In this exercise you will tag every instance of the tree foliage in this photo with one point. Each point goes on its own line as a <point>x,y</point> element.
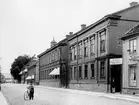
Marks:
<point>18,65</point>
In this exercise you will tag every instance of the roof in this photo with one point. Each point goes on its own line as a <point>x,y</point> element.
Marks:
<point>131,7</point>
<point>132,32</point>
<point>110,16</point>
<point>60,43</point>
<point>32,63</point>
<point>114,15</point>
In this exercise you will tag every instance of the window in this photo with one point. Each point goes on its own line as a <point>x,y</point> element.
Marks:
<point>132,76</point>
<point>74,72</point>
<point>102,41</point>
<point>80,72</point>
<point>92,45</point>
<point>71,53</point>
<point>71,76</point>
<point>40,75</point>
<point>50,58</point>
<point>86,71</point>
<point>132,46</point>
<point>80,50</point>
<point>102,70</point>
<point>92,70</point>
<point>75,52</point>
<point>56,55</point>
<point>86,48</point>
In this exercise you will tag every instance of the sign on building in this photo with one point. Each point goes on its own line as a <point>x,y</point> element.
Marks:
<point>134,57</point>
<point>116,61</point>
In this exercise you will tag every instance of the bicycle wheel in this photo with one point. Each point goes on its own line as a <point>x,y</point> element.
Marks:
<point>26,96</point>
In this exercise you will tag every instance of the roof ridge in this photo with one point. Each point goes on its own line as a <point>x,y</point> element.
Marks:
<point>115,13</point>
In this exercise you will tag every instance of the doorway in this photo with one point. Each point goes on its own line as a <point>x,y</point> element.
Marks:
<point>116,78</point>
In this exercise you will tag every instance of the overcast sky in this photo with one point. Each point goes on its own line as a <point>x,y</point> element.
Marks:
<point>28,26</point>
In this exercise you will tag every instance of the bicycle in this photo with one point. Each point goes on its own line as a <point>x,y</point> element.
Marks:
<point>26,95</point>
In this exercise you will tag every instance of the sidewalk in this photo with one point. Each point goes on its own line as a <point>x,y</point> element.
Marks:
<point>2,99</point>
<point>118,96</point>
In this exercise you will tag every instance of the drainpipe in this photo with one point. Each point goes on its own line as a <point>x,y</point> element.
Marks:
<point>97,57</point>
<point>77,61</point>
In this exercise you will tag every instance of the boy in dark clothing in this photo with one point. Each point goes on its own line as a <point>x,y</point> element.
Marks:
<point>31,95</point>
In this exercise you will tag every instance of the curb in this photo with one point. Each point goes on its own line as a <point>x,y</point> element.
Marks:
<point>3,99</point>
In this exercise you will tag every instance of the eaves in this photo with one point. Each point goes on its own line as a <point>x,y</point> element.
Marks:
<point>105,18</point>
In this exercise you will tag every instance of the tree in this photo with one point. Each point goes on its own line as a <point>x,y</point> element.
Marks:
<point>18,65</point>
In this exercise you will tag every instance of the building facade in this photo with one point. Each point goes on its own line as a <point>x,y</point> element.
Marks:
<point>93,46</point>
<point>131,61</point>
<point>37,72</point>
<point>31,71</point>
<point>53,65</point>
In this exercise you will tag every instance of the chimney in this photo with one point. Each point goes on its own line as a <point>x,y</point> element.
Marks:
<point>83,26</point>
<point>70,33</point>
<point>133,4</point>
<point>67,36</point>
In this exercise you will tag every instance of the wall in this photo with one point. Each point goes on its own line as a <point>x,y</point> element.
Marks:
<point>116,32</point>
<point>89,87</point>
<point>126,62</point>
<point>37,73</point>
<point>51,83</point>
<point>122,27</point>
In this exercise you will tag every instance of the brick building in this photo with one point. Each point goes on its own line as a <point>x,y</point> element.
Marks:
<point>53,65</point>
<point>93,46</point>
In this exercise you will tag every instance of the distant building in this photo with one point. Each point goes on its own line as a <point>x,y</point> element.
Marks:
<point>53,65</point>
<point>31,71</point>
<point>93,47</point>
<point>8,78</point>
<point>131,61</point>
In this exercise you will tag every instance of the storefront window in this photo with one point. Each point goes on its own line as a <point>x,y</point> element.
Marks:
<point>132,76</point>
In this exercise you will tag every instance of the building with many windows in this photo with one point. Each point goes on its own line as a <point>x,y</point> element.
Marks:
<point>91,49</point>
<point>131,61</point>
<point>53,65</point>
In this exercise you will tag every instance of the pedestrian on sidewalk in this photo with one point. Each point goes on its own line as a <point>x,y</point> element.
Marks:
<point>31,93</point>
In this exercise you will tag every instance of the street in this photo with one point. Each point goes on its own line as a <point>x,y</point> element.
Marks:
<point>47,96</point>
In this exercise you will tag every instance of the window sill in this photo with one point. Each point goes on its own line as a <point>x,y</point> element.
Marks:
<point>92,77</point>
<point>92,54</point>
<point>101,52</point>
<point>132,53</point>
<point>80,78</point>
<point>85,77</point>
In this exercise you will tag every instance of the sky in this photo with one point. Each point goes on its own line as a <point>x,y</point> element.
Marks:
<point>28,26</point>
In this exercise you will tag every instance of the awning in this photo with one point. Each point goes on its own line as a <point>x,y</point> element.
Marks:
<point>21,72</point>
<point>55,72</point>
<point>32,77</point>
<point>25,70</point>
<point>29,77</point>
